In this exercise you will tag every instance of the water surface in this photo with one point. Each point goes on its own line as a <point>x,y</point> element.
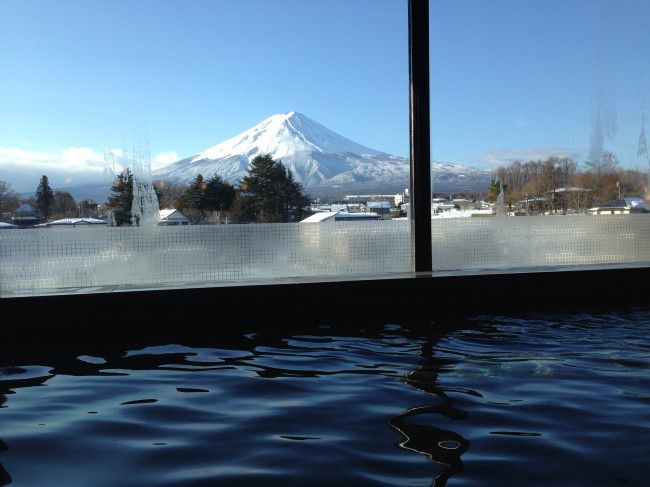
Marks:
<point>532,400</point>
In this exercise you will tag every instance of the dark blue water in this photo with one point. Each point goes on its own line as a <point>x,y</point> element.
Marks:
<point>552,400</point>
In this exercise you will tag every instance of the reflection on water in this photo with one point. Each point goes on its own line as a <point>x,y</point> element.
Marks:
<point>493,401</point>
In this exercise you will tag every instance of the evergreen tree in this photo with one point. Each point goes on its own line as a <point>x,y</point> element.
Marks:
<point>120,202</point>
<point>214,195</point>
<point>192,201</point>
<point>241,211</point>
<point>494,189</point>
<point>218,194</point>
<point>268,193</point>
<point>44,197</point>
<point>194,196</point>
<point>121,198</point>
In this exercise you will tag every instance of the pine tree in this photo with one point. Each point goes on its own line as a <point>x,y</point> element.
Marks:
<point>493,190</point>
<point>240,212</point>
<point>121,198</point>
<point>120,202</point>
<point>44,197</point>
<point>218,194</point>
<point>192,201</point>
<point>268,193</point>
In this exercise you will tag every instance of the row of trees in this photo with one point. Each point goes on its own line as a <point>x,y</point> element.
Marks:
<point>268,193</point>
<point>591,185</point>
<point>50,204</point>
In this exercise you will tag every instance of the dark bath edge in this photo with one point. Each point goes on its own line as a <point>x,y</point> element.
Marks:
<point>417,301</point>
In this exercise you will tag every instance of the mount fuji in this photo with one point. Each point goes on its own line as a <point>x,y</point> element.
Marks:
<point>323,161</point>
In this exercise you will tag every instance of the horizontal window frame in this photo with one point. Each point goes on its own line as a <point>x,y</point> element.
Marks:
<point>419,298</point>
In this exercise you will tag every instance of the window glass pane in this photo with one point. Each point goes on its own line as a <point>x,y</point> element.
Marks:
<point>539,150</point>
<point>158,143</point>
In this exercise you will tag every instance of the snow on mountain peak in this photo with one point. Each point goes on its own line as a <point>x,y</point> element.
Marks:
<point>317,156</point>
<point>284,135</point>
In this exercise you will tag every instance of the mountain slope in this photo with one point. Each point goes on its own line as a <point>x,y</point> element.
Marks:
<point>320,159</point>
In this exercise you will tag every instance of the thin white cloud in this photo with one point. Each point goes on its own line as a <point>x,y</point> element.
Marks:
<point>163,159</point>
<point>72,159</point>
<point>71,166</point>
<point>507,156</point>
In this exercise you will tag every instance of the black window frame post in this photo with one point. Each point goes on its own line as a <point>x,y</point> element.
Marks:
<point>420,133</point>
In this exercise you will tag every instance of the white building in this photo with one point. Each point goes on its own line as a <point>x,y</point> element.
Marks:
<point>337,216</point>
<point>622,206</point>
<point>172,217</point>
<point>75,222</point>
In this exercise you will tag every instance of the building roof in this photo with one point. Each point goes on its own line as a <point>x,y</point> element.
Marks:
<point>25,209</point>
<point>378,204</point>
<point>166,213</point>
<point>76,221</point>
<point>26,218</point>
<point>320,217</point>
<point>634,201</point>
<point>626,203</point>
<point>357,216</point>
<point>572,189</point>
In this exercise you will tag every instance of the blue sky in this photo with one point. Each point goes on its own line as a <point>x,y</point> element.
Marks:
<point>509,78</point>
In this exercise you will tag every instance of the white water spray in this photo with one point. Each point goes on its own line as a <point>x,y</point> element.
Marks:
<point>144,208</point>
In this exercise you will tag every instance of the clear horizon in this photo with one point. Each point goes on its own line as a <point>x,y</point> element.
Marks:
<point>509,80</point>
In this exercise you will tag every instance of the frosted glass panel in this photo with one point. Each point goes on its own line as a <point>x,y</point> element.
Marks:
<point>546,241</point>
<point>61,259</point>
<point>52,259</point>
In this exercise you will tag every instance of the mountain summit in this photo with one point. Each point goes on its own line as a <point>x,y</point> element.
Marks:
<point>320,159</point>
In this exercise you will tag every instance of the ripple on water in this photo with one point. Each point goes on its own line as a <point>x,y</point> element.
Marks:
<point>534,400</point>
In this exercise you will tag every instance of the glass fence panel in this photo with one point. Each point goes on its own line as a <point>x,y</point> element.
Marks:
<point>466,244</point>
<point>61,259</point>
<point>153,158</point>
<point>538,121</point>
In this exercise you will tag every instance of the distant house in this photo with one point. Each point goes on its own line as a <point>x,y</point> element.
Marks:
<point>25,216</point>
<point>622,206</point>
<point>346,217</point>
<point>75,222</point>
<point>338,216</point>
<point>438,205</point>
<point>88,208</point>
<point>172,217</point>
<point>382,208</point>
<point>320,217</point>
<point>463,203</point>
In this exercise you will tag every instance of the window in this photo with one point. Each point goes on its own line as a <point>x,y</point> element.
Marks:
<point>208,142</point>
<point>235,153</point>
<point>539,150</point>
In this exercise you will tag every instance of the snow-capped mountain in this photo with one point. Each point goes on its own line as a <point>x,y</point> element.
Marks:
<point>320,159</point>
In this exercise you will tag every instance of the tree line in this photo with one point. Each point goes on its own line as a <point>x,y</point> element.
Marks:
<point>267,193</point>
<point>535,184</point>
<point>50,204</point>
